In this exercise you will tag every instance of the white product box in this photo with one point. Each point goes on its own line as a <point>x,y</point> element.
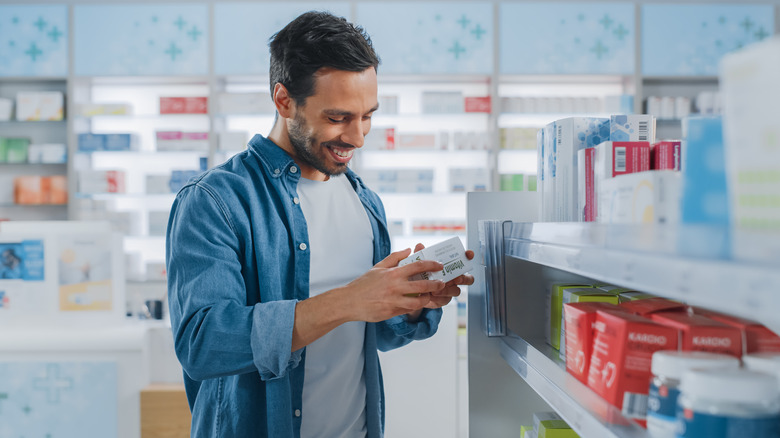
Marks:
<point>540,183</point>
<point>233,140</point>
<point>549,171</point>
<point>36,106</point>
<point>469,180</point>
<point>47,153</point>
<point>751,103</point>
<point>449,253</point>
<point>101,181</point>
<point>571,135</point>
<point>634,127</point>
<point>639,198</point>
<point>615,158</point>
<point>6,108</point>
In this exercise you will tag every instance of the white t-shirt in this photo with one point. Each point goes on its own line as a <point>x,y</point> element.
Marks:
<point>341,245</point>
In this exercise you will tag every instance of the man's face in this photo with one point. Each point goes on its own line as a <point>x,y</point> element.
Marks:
<point>334,121</point>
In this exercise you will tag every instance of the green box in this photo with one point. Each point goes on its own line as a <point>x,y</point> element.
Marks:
<point>524,431</point>
<point>582,295</point>
<point>16,150</point>
<point>532,183</point>
<point>555,312</point>
<point>3,149</point>
<point>512,182</point>
<point>555,429</point>
<point>633,296</point>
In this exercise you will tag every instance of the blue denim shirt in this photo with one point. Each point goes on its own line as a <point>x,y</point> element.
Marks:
<point>237,259</point>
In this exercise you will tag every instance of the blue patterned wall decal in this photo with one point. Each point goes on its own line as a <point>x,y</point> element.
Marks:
<point>431,38</point>
<point>689,40</point>
<point>58,399</point>
<point>242,31</point>
<point>34,40</point>
<point>170,39</point>
<point>567,38</point>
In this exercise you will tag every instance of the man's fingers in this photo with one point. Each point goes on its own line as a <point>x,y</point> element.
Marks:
<point>419,267</point>
<point>392,260</point>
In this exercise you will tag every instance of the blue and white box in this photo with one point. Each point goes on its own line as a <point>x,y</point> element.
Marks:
<point>91,142</point>
<point>573,134</point>
<point>634,127</point>
<point>704,202</point>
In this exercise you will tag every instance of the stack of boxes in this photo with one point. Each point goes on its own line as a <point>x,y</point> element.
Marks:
<point>609,341</point>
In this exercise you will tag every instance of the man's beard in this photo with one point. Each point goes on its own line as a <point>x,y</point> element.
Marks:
<point>306,149</point>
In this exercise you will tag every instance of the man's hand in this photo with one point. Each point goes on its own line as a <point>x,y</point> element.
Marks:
<point>446,294</point>
<point>385,290</point>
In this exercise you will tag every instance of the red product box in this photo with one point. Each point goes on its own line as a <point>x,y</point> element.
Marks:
<point>172,105</point>
<point>196,105</point>
<point>579,319</point>
<point>652,305</point>
<point>620,157</point>
<point>756,338</point>
<point>390,138</point>
<point>666,155</point>
<point>700,333</point>
<point>620,365</point>
<point>477,104</point>
<point>115,181</point>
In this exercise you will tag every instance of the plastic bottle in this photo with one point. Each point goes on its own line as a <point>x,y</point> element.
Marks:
<point>716,403</point>
<point>668,368</point>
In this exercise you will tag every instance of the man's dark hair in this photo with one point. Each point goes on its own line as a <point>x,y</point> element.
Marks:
<point>312,41</point>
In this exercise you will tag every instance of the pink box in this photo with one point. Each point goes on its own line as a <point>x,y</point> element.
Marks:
<point>196,105</point>
<point>169,135</point>
<point>172,105</point>
<point>194,135</point>
<point>477,104</point>
<point>666,155</point>
<point>586,185</point>
<point>700,333</point>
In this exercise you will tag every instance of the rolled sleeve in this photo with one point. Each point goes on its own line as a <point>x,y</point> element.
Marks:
<point>274,320</point>
<point>398,331</point>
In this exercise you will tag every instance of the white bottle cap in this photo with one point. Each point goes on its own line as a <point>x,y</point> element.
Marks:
<point>764,362</point>
<point>673,364</point>
<point>738,386</point>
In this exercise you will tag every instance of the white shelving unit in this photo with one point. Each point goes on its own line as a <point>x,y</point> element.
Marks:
<point>646,258</point>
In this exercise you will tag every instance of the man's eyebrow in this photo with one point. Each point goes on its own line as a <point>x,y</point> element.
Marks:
<point>338,112</point>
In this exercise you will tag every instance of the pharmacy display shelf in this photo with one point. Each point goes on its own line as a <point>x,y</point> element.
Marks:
<point>587,413</point>
<point>31,123</point>
<point>136,117</point>
<point>28,165</point>
<point>37,206</point>
<point>662,260</point>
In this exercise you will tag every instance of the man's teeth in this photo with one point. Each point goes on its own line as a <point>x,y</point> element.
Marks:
<point>343,154</point>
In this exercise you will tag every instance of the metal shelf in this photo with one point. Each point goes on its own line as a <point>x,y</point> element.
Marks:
<point>582,409</point>
<point>652,259</point>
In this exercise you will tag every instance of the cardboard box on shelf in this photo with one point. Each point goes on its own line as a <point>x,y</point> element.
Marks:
<point>571,135</point>
<point>634,127</point>
<point>649,306</point>
<point>700,333</point>
<point>579,319</point>
<point>620,366</point>
<point>101,181</point>
<point>586,185</point>
<point>29,190</point>
<point>641,198</point>
<point>40,106</point>
<point>14,150</point>
<point>58,190</point>
<point>618,158</point>
<point>554,306</point>
<point>47,153</point>
<point>666,155</point>
<point>755,336</point>
<point>582,295</point>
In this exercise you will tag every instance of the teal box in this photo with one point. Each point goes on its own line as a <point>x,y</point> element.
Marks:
<point>704,208</point>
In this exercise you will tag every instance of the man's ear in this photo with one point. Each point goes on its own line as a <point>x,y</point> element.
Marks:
<point>283,102</point>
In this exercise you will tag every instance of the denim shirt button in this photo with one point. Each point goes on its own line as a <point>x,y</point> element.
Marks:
<point>297,412</point>
<point>302,246</point>
<point>293,169</point>
<point>276,171</point>
<point>296,201</point>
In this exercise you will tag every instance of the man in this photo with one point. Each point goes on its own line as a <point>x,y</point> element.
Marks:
<point>281,289</point>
